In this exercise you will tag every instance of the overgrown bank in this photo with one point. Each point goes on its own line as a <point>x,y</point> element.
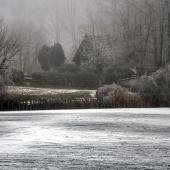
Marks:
<point>151,90</point>
<point>19,103</point>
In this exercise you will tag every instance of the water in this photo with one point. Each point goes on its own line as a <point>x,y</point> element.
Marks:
<point>85,139</point>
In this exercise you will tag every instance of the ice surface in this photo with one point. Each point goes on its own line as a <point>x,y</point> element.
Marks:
<point>85,139</point>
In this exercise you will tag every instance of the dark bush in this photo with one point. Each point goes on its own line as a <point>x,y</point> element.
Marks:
<point>39,77</point>
<point>51,57</point>
<point>2,87</point>
<point>17,76</point>
<point>72,68</point>
<point>86,79</point>
<point>79,79</point>
<point>43,58</point>
<point>116,73</point>
<point>57,56</point>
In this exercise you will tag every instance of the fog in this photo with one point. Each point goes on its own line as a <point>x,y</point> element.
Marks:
<point>57,19</point>
<point>131,34</point>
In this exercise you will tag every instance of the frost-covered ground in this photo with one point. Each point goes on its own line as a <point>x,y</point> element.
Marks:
<point>122,139</point>
<point>44,91</point>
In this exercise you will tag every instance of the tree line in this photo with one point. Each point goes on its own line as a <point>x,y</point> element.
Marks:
<point>139,27</point>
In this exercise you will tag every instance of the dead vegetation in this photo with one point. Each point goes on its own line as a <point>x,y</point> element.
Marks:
<point>118,96</point>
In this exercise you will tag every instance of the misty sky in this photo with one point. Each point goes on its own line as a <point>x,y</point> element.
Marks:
<point>53,16</point>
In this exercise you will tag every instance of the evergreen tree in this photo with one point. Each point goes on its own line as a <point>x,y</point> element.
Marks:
<point>51,57</point>
<point>43,58</point>
<point>57,57</point>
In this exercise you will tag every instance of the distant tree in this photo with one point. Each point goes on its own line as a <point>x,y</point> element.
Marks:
<point>43,58</point>
<point>57,57</point>
<point>141,26</point>
<point>31,39</point>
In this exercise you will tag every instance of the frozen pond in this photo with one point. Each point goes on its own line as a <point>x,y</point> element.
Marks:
<point>91,139</point>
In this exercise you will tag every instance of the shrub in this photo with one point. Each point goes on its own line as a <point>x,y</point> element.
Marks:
<point>79,79</point>
<point>86,79</point>
<point>72,68</point>
<point>57,56</point>
<point>17,76</point>
<point>147,84</point>
<point>116,96</point>
<point>38,77</point>
<point>43,58</point>
<point>51,57</point>
<point>155,87</point>
<point>2,87</point>
<point>116,73</point>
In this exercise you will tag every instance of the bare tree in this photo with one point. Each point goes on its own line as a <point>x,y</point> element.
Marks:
<point>54,22</point>
<point>9,46</point>
<point>141,28</point>
<point>71,12</point>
